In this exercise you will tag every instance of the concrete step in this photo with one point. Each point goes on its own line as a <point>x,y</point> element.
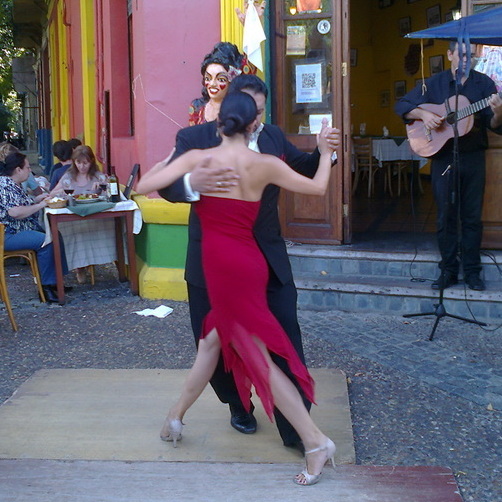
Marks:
<point>382,282</point>
<point>340,260</point>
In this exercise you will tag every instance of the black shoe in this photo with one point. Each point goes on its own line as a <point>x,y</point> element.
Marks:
<point>475,282</point>
<point>50,295</point>
<point>241,420</point>
<point>67,289</point>
<point>445,281</point>
<point>297,445</point>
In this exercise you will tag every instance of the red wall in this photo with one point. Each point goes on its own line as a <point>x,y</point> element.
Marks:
<point>170,41</point>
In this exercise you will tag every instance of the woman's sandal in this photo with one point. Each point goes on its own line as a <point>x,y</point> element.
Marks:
<point>306,479</point>
<point>171,431</point>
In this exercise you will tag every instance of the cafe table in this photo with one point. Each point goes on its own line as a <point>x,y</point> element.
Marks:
<point>396,148</point>
<point>98,238</point>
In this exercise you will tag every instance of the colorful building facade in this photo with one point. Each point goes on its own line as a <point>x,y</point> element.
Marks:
<point>119,75</point>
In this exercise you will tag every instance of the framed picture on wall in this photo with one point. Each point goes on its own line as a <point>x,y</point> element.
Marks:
<point>404,26</point>
<point>448,16</point>
<point>385,98</point>
<point>433,16</point>
<point>353,57</point>
<point>436,64</point>
<point>399,89</point>
<point>385,3</point>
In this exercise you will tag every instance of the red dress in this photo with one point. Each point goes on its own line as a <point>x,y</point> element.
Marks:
<point>236,274</point>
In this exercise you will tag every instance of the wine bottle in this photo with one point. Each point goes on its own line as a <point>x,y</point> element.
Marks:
<point>113,185</point>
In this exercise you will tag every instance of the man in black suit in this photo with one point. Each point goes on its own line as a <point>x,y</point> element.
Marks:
<point>282,295</point>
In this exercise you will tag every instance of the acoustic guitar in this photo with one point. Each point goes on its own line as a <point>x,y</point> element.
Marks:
<point>426,142</point>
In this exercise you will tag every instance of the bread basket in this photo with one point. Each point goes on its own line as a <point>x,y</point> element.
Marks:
<point>57,203</point>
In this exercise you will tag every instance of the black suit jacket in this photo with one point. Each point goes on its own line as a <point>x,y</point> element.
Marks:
<point>267,229</point>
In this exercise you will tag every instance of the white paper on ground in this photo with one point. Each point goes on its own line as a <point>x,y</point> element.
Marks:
<point>161,311</point>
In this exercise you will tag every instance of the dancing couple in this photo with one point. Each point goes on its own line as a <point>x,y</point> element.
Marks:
<point>240,325</point>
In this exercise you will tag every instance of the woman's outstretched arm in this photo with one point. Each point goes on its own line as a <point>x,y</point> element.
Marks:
<point>283,176</point>
<point>164,173</point>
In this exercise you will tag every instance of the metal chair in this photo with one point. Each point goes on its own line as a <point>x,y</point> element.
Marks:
<point>4,294</point>
<point>29,255</point>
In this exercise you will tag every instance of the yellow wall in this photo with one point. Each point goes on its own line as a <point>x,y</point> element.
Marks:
<point>59,75</point>
<point>231,28</point>
<point>89,73</point>
<point>381,54</point>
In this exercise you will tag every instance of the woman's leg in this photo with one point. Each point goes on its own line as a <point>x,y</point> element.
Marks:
<point>288,400</point>
<point>198,377</point>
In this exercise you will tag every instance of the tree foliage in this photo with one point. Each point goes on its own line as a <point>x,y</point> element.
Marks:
<point>9,106</point>
<point>6,48</point>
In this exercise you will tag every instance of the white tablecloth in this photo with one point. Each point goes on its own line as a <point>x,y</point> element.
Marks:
<point>91,242</point>
<point>388,149</point>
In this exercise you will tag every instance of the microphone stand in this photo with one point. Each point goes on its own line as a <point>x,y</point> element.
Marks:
<point>453,183</point>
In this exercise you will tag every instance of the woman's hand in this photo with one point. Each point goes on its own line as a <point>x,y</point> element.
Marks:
<point>328,139</point>
<point>41,197</point>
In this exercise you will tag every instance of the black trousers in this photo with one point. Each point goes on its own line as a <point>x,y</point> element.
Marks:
<point>282,299</point>
<point>459,199</point>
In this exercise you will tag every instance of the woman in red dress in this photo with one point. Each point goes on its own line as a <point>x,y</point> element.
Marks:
<point>240,324</point>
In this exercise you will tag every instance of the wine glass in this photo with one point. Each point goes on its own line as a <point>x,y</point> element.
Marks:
<point>68,187</point>
<point>103,183</point>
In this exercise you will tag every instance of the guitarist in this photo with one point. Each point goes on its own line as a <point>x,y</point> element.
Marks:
<point>475,86</point>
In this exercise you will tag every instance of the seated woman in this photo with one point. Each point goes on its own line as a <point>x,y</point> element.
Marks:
<point>31,185</point>
<point>83,176</point>
<point>218,69</point>
<point>20,216</point>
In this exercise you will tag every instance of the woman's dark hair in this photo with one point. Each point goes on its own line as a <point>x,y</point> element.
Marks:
<point>237,111</point>
<point>13,160</point>
<point>83,152</point>
<point>223,53</point>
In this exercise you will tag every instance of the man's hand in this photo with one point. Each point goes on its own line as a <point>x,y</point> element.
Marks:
<point>206,179</point>
<point>431,120</point>
<point>260,8</point>
<point>328,138</point>
<point>495,102</point>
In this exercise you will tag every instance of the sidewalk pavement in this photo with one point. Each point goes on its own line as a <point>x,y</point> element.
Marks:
<point>413,402</point>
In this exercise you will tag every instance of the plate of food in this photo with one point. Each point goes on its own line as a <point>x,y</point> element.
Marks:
<point>87,198</point>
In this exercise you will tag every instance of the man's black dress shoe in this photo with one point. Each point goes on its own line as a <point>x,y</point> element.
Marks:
<point>241,420</point>
<point>297,445</point>
<point>67,289</point>
<point>445,281</point>
<point>475,282</point>
<point>50,295</point>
